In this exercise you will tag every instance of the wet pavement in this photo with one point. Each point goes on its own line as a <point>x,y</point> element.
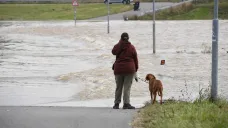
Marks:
<point>145,7</point>
<point>64,117</point>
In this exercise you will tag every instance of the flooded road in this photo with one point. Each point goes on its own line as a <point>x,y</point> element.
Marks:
<point>54,63</point>
<point>30,65</point>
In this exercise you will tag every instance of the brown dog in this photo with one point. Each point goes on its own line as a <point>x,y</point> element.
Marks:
<point>155,86</point>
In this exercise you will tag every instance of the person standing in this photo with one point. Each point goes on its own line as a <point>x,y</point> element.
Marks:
<point>125,68</point>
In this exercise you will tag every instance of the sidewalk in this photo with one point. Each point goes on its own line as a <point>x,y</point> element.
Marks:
<point>65,117</point>
<point>144,7</point>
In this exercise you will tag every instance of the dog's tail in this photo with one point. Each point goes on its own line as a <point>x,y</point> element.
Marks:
<point>159,93</point>
<point>161,89</point>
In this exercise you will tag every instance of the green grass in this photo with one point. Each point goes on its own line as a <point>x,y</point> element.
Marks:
<point>188,12</point>
<point>197,13</point>
<point>173,114</point>
<point>56,11</point>
<point>80,1</point>
<point>203,12</point>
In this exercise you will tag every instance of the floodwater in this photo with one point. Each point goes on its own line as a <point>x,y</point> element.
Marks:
<point>30,65</point>
<point>55,63</point>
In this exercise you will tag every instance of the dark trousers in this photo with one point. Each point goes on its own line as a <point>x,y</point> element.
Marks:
<point>123,83</point>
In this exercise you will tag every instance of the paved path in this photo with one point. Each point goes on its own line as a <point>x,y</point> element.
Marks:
<point>144,7</point>
<point>64,117</point>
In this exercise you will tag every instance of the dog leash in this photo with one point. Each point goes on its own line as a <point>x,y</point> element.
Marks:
<point>142,80</point>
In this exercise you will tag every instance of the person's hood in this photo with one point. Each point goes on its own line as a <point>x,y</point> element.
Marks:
<point>125,44</point>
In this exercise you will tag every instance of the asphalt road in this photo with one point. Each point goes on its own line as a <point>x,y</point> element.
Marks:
<point>64,117</point>
<point>144,7</point>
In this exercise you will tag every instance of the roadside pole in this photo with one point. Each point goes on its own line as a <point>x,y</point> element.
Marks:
<point>75,3</point>
<point>3,48</point>
<point>75,15</point>
<point>154,49</point>
<point>108,27</point>
<point>214,73</point>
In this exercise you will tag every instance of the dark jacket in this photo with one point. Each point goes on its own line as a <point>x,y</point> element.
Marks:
<point>127,61</point>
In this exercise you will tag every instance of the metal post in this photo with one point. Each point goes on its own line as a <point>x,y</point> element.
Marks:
<point>214,73</point>
<point>154,49</point>
<point>108,16</point>
<point>3,48</point>
<point>75,15</point>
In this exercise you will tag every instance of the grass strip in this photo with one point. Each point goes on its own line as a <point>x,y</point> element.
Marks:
<point>188,11</point>
<point>176,114</point>
<point>57,11</point>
